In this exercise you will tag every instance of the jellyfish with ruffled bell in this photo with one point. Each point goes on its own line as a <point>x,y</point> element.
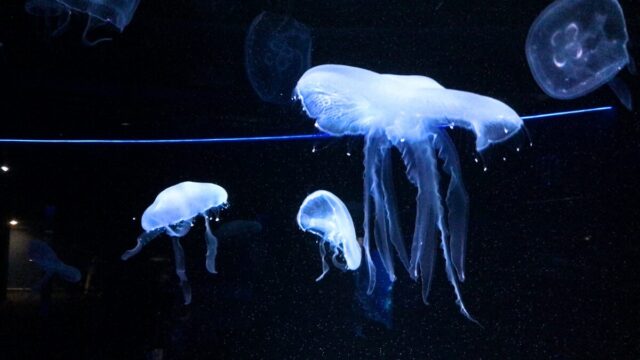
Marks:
<point>325,215</point>
<point>408,113</point>
<point>173,213</point>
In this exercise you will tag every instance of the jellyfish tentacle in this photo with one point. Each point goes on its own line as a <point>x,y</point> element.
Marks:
<point>143,240</point>
<point>212,246</point>
<point>369,167</point>
<point>420,169</point>
<point>380,229</point>
<point>337,263</point>
<point>61,28</point>
<point>86,41</point>
<point>181,271</point>
<point>325,266</point>
<point>457,203</point>
<point>391,207</point>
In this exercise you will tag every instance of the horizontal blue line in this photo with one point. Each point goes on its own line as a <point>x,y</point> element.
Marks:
<point>246,139</point>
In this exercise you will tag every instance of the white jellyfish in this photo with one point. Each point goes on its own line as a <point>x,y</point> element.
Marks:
<point>173,213</point>
<point>325,215</point>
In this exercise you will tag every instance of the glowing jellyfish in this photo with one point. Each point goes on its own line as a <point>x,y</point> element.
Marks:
<point>575,46</point>
<point>173,213</point>
<point>325,215</point>
<point>42,254</point>
<point>408,113</point>
<point>117,13</point>
<point>277,52</point>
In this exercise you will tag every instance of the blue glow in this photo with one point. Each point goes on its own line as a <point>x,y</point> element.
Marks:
<point>565,113</point>
<point>173,213</point>
<point>250,138</point>
<point>325,215</point>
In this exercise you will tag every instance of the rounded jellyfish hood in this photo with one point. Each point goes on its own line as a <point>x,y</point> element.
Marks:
<point>324,214</point>
<point>182,202</point>
<point>346,100</point>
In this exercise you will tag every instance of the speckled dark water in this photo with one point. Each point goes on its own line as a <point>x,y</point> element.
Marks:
<point>552,241</point>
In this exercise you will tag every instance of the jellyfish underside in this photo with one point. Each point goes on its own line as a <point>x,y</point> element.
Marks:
<point>328,241</point>
<point>432,216</point>
<point>177,231</point>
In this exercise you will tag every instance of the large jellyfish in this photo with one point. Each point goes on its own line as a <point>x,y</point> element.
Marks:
<point>117,13</point>
<point>408,113</point>
<point>42,254</point>
<point>324,214</point>
<point>173,213</point>
<point>575,46</point>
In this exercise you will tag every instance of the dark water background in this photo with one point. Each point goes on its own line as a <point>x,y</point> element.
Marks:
<point>553,235</point>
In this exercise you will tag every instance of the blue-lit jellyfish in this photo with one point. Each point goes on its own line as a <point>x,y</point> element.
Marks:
<point>117,13</point>
<point>56,15</point>
<point>575,46</point>
<point>173,213</point>
<point>325,215</point>
<point>42,254</point>
<point>408,113</point>
<point>277,53</point>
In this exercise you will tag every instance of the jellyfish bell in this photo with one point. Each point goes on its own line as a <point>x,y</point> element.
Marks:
<point>173,212</point>
<point>576,46</point>
<point>325,215</point>
<point>346,100</point>
<point>183,202</point>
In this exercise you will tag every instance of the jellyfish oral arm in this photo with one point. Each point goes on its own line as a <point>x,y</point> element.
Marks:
<point>323,253</point>
<point>181,271</point>
<point>457,202</point>
<point>143,240</point>
<point>212,246</point>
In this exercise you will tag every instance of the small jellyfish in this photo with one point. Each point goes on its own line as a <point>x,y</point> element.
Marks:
<point>407,112</point>
<point>173,213</point>
<point>575,46</point>
<point>42,254</point>
<point>325,215</point>
<point>277,53</point>
<point>117,13</point>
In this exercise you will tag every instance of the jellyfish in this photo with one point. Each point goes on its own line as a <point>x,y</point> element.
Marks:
<point>173,213</point>
<point>408,113</point>
<point>42,254</point>
<point>54,13</point>
<point>324,214</point>
<point>277,52</point>
<point>575,46</point>
<point>117,13</point>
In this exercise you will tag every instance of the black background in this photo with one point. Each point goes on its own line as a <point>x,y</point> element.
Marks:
<point>552,255</point>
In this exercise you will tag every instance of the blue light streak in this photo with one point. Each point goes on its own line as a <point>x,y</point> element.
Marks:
<point>250,138</point>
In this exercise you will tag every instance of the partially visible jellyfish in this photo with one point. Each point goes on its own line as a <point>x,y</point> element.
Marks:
<point>56,15</point>
<point>324,214</point>
<point>117,13</point>
<point>575,46</point>
<point>277,53</point>
<point>408,113</point>
<point>173,213</point>
<point>42,254</point>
